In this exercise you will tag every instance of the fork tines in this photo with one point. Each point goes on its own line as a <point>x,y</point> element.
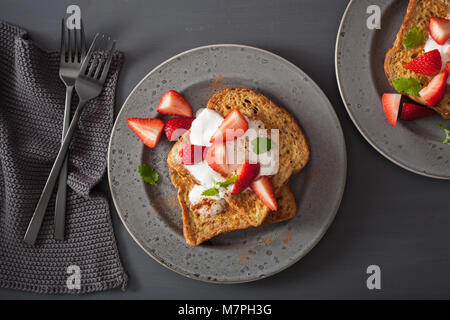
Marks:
<point>96,65</point>
<point>77,53</point>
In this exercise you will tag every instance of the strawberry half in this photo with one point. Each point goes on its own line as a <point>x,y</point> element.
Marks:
<point>191,154</point>
<point>429,63</point>
<point>176,127</point>
<point>440,29</point>
<point>412,112</point>
<point>263,188</point>
<point>447,67</point>
<point>447,52</point>
<point>391,105</point>
<point>435,90</point>
<point>233,126</point>
<point>148,130</point>
<point>246,175</point>
<point>173,103</point>
<point>216,157</point>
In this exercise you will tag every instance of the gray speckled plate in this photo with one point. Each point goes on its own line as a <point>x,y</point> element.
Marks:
<point>152,214</point>
<point>414,145</point>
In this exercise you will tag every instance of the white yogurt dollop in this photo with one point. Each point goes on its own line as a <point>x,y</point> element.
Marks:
<point>204,126</point>
<point>208,204</point>
<point>204,174</point>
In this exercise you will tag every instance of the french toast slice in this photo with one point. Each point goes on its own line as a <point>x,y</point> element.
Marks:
<point>418,14</point>
<point>198,227</point>
<point>246,209</point>
<point>293,147</point>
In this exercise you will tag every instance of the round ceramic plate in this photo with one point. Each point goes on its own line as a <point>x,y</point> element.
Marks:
<point>151,213</point>
<point>413,145</point>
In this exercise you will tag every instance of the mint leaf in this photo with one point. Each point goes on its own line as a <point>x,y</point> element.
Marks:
<point>210,192</point>
<point>447,134</point>
<point>410,86</point>
<point>224,184</point>
<point>227,182</point>
<point>261,145</point>
<point>414,38</point>
<point>148,173</point>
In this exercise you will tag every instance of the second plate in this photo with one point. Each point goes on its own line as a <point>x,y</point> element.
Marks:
<point>414,145</point>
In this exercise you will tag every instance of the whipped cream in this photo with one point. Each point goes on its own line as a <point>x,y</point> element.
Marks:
<point>444,49</point>
<point>203,127</point>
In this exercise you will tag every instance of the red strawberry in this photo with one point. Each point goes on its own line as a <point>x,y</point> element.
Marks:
<point>192,154</point>
<point>148,130</point>
<point>429,63</point>
<point>246,175</point>
<point>172,103</point>
<point>412,112</point>
<point>447,67</point>
<point>234,125</point>
<point>391,105</point>
<point>440,30</point>
<point>263,188</point>
<point>176,127</point>
<point>216,157</point>
<point>435,90</point>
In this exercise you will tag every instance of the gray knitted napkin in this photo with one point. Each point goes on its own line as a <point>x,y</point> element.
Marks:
<point>31,115</point>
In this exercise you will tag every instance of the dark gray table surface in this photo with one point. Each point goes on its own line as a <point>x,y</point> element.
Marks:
<point>388,217</point>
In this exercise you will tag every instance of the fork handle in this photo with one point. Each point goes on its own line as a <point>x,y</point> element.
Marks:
<point>38,216</point>
<point>61,195</point>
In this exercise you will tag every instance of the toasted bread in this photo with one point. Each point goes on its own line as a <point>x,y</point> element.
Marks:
<point>246,209</point>
<point>293,147</point>
<point>418,14</point>
<point>198,227</point>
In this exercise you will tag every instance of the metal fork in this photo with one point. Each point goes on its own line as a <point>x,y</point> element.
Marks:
<point>72,54</point>
<point>88,85</point>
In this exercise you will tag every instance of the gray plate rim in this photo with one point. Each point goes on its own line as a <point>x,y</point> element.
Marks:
<point>352,117</point>
<point>341,189</point>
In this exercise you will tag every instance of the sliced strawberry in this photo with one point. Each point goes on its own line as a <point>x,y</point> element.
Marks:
<point>172,103</point>
<point>447,67</point>
<point>263,188</point>
<point>191,154</point>
<point>234,125</point>
<point>429,63</point>
<point>440,29</point>
<point>391,105</point>
<point>435,90</point>
<point>216,157</point>
<point>413,111</point>
<point>148,130</point>
<point>246,175</point>
<point>447,52</point>
<point>176,127</point>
